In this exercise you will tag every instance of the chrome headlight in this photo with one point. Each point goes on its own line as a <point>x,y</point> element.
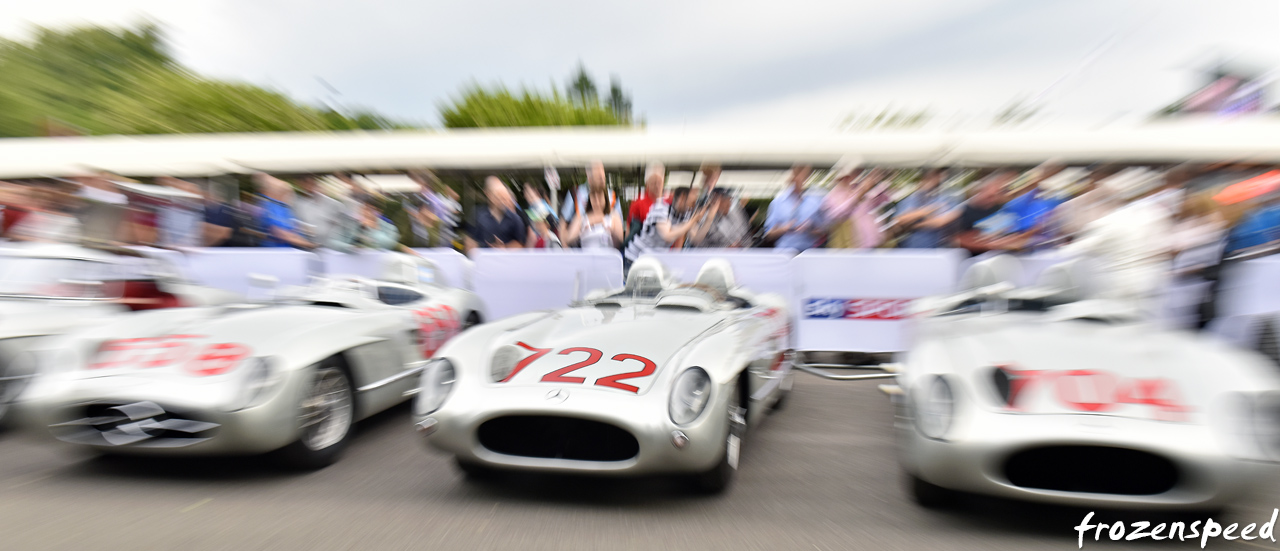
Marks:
<point>935,406</point>
<point>260,378</point>
<point>504,362</point>
<point>689,395</point>
<point>434,386</point>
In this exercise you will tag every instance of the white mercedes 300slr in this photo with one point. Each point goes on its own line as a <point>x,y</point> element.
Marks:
<point>1045,394</point>
<point>652,378</point>
<point>292,374</point>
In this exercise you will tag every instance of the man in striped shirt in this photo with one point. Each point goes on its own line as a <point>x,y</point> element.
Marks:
<point>658,231</point>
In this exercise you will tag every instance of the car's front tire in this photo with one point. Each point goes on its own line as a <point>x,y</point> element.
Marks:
<point>326,417</point>
<point>474,471</point>
<point>473,319</point>
<point>929,495</point>
<point>721,476</point>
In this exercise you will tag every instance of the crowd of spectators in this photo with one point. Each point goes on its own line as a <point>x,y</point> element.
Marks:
<point>847,207</point>
<point>175,213</point>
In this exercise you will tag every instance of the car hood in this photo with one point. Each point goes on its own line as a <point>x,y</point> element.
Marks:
<point>1133,370</point>
<point>181,342</point>
<point>620,341</point>
<point>23,317</point>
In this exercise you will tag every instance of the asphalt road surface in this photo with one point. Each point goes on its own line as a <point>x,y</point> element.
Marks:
<point>819,474</point>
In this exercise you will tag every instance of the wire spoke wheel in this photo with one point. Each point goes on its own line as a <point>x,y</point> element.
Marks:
<point>720,476</point>
<point>326,412</point>
<point>737,429</point>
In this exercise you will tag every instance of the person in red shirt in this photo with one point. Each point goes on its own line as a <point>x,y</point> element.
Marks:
<point>653,180</point>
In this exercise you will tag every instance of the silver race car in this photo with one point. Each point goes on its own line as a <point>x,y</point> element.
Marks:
<point>652,378</point>
<point>292,374</point>
<point>1045,394</point>
<point>50,289</point>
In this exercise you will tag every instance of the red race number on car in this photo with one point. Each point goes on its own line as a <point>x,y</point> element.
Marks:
<point>170,350</point>
<point>1094,391</point>
<point>627,366</point>
<point>436,325</point>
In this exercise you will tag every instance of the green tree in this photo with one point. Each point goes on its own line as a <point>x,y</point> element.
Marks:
<point>619,101</point>
<point>96,80</point>
<point>581,89</point>
<point>886,118</point>
<point>1016,112</point>
<point>479,107</point>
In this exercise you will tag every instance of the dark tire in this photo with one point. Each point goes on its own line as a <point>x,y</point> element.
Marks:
<point>785,393</point>
<point>474,471</point>
<point>473,319</point>
<point>721,476</point>
<point>928,495</point>
<point>326,418</point>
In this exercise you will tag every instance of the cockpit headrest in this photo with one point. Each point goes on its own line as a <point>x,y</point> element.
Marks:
<point>717,274</point>
<point>1068,281</point>
<point>647,277</point>
<point>991,271</point>
<point>401,268</point>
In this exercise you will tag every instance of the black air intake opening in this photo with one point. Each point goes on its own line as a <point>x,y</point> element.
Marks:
<point>1092,470</point>
<point>552,437</point>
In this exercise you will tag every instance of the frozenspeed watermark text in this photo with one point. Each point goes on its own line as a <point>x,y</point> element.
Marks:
<point>1203,530</point>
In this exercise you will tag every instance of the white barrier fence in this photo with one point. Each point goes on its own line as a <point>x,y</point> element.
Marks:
<point>230,268</point>
<point>842,300</point>
<point>513,282</point>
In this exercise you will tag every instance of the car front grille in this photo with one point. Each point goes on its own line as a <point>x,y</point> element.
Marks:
<point>138,424</point>
<point>553,437</point>
<point>1092,470</point>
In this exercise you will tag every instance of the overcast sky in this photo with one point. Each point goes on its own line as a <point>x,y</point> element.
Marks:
<point>802,63</point>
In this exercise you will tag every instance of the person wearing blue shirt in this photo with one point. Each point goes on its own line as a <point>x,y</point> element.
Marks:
<point>1259,227</point>
<point>794,217</point>
<point>278,222</point>
<point>924,213</point>
<point>1030,213</point>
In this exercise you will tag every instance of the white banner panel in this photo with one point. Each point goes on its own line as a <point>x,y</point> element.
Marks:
<point>455,267</point>
<point>229,268</point>
<point>758,270</point>
<point>513,282</point>
<point>368,264</point>
<point>1248,287</point>
<point>858,301</point>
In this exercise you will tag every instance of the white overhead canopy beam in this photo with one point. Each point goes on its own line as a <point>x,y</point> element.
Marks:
<point>1257,141</point>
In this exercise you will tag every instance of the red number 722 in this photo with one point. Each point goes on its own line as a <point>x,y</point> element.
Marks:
<point>593,356</point>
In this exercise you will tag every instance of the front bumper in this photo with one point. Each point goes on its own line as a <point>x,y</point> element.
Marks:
<point>974,461</point>
<point>455,428</point>
<point>65,411</point>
